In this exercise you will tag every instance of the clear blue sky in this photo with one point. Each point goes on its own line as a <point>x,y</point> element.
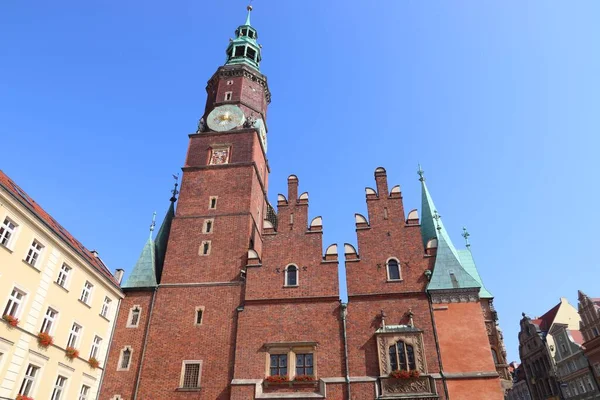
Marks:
<point>497,100</point>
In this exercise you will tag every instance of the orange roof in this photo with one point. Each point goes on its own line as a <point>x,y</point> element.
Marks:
<point>546,320</point>
<point>20,195</point>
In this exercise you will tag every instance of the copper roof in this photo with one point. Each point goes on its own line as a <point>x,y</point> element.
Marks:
<point>20,195</point>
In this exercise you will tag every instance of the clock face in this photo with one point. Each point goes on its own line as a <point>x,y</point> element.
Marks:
<point>262,132</point>
<point>225,118</point>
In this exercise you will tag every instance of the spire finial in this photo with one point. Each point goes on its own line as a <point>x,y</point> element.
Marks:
<point>249,8</point>
<point>175,191</point>
<point>153,224</point>
<point>466,235</point>
<point>437,218</point>
<point>421,173</point>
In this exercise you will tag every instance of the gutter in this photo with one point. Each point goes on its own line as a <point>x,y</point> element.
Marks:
<point>139,374</point>
<point>110,343</point>
<point>437,347</point>
<point>343,313</point>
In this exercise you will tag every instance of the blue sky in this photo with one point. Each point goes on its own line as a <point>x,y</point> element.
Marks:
<point>497,100</point>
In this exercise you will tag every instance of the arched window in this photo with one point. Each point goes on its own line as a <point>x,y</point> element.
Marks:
<point>495,356</point>
<point>402,357</point>
<point>291,275</point>
<point>393,270</point>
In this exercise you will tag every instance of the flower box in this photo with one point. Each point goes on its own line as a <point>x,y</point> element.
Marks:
<point>305,378</point>
<point>94,363</point>
<point>71,353</point>
<point>23,397</point>
<point>45,339</point>
<point>402,374</point>
<point>12,321</point>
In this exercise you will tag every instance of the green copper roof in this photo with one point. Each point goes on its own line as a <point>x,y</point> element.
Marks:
<point>466,260</point>
<point>244,49</point>
<point>160,243</point>
<point>144,272</point>
<point>448,272</point>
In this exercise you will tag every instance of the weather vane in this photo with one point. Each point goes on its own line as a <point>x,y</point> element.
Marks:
<point>175,191</point>
<point>437,218</point>
<point>153,224</point>
<point>421,173</point>
<point>466,235</point>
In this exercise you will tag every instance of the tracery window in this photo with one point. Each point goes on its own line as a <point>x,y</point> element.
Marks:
<point>402,357</point>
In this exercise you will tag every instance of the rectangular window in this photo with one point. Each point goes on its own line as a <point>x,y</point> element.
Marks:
<point>134,317</point>
<point>105,307</point>
<point>59,388</point>
<point>581,386</point>
<point>14,303</point>
<point>228,96</point>
<point>205,248</point>
<point>212,204</point>
<point>84,393</point>
<point>29,380</point>
<point>63,275</point>
<point>304,364</point>
<point>199,315</point>
<point>589,384</point>
<point>239,51</point>
<point>86,293</point>
<point>278,365</point>
<point>74,335</point>
<point>125,359</point>
<point>49,319</point>
<point>190,378</point>
<point>95,347</point>
<point>34,253</point>
<point>7,231</point>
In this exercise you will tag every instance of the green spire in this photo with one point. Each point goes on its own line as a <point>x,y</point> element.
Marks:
<point>144,272</point>
<point>244,49</point>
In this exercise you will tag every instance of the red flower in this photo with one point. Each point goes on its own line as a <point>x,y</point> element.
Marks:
<point>277,378</point>
<point>305,378</point>
<point>414,373</point>
<point>94,363</point>
<point>400,374</point>
<point>45,339</point>
<point>71,353</point>
<point>23,397</point>
<point>11,320</point>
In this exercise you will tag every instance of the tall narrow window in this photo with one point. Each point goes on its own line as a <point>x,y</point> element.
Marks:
<point>393,270</point>
<point>105,307</point>
<point>199,315</point>
<point>84,393</point>
<point>59,388</point>
<point>63,275</point>
<point>212,203</point>
<point>134,317</point>
<point>34,253</point>
<point>190,374</point>
<point>208,225</point>
<point>291,275</point>
<point>7,231</point>
<point>14,303</point>
<point>86,293</point>
<point>402,357</point>
<point>205,248</point>
<point>95,347</point>
<point>49,319</point>
<point>125,358</point>
<point>304,364</point>
<point>29,380</point>
<point>74,335</point>
<point>228,96</point>
<point>278,365</point>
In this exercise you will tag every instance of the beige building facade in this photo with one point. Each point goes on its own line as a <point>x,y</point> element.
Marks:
<point>50,284</point>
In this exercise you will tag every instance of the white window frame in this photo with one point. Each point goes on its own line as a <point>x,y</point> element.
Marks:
<point>387,269</point>
<point>201,250</point>
<point>116,397</point>
<point>63,275</point>
<point>119,365</point>
<point>59,387</point>
<point>95,349</point>
<point>130,316</point>
<point>34,254</point>
<point>190,362</point>
<point>228,96</point>
<point>14,300</point>
<point>84,392</point>
<point>29,378</point>
<point>199,309</point>
<point>205,226</point>
<point>104,312</point>
<point>49,321</point>
<point>74,335</point>
<point>86,293</point>
<point>8,231</point>
<point>210,202</point>
<point>285,276</point>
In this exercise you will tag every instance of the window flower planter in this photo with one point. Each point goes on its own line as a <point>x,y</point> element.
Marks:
<point>45,339</point>
<point>71,353</point>
<point>12,321</point>
<point>23,397</point>
<point>94,363</point>
<point>402,374</point>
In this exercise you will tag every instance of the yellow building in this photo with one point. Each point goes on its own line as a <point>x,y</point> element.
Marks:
<point>50,283</point>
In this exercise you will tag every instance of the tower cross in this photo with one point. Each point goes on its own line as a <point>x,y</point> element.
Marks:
<point>437,218</point>
<point>466,235</point>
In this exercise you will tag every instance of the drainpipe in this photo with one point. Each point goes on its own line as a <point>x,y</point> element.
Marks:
<point>112,333</point>
<point>344,312</point>
<point>437,347</point>
<point>139,375</point>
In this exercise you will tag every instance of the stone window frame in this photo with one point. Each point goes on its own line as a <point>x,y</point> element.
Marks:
<point>116,397</point>
<point>291,349</point>
<point>120,362</point>
<point>228,96</point>
<point>413,338</point>
<point>387,269</point>
<point>210,202</point>
<point>199,309</point>
<point>201,251</point>
<point>181,379</point>
<point>285,276</point>
<point>205,226</point>
<point>130,316</point>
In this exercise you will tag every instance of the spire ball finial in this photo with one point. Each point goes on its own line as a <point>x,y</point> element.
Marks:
<point>249,8</point>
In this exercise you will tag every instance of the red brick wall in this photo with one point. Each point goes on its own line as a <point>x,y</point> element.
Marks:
<point>470,389</point>
<point>123,382</point>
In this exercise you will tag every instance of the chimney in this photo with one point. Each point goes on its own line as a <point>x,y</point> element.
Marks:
<point>119,275</point>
